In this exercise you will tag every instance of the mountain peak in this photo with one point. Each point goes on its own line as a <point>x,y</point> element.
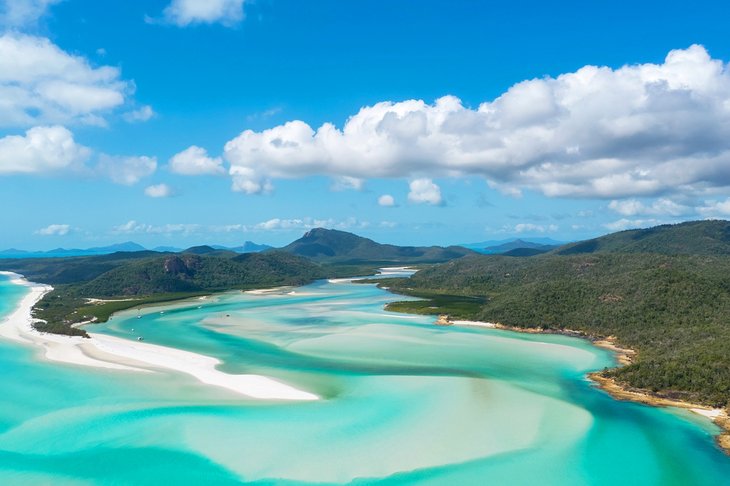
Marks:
<point>330,245</point>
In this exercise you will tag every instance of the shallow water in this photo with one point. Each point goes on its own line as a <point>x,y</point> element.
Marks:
<point>404,402</point>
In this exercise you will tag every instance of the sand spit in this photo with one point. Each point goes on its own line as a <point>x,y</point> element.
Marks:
<point>102,351</point>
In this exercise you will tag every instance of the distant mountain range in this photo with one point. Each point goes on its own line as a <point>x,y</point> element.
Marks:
<point>513,248</point>
<point>503,246</point>
<point>332,246</point>
<point>129,246</point>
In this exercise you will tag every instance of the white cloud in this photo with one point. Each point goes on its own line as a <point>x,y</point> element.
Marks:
<point>660,207</point>
<point>244,181</point>
<point>54,230</point>
<point>139,115</point>
<point>386,200</point>
<point>41,150</point>
<point>133,227</point>
<point>624,224</point>
<point>186,12</point>
<point>194,160</point>
<point>639,130</point>
<point>158,190</point>
<point>424,191</point>
<point>532,228</point>
<point>42,84</point>
<point>715,208</point>
<point>23,13</point>
<point>309,223</point>
<point>344,183</point>
<point>126,170</point>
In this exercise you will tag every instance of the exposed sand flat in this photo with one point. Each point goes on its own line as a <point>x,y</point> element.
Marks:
<point>624,356</point>
<point>275,290</point>
<point>200,366</point>
<point>109,352</point>
<point>489,325</point>
<point>711,414</point>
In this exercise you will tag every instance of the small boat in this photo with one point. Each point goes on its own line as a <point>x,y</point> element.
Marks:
<point>140,338</point>
<point>139,317</point>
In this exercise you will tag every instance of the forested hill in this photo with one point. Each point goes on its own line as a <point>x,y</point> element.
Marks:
<point>332,246</point>
<point>189,272</point>
<point>674,309</point>
<point>690,238</point>
<point>131,279</point>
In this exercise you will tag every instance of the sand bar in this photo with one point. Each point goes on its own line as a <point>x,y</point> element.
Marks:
<point>110,352</point>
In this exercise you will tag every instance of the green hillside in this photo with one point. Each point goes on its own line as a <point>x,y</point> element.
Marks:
<point>690,238</point>
<point>673,309</point>
<point>189,272</point>
<point>332,246</point>
<point>133,279</point>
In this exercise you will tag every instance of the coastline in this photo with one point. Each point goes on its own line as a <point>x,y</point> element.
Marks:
<point>624,357</point>
<point>108,352</point>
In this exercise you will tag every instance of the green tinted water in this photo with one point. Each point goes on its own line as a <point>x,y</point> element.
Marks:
<point>404,402</point>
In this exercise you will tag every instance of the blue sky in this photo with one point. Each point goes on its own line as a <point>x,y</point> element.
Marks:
<point>180,122</point>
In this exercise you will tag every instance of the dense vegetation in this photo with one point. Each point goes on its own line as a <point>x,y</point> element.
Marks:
<point>673,309</point>
<point>332,246</point>
<point>126,280</point>
<point>690,238</point>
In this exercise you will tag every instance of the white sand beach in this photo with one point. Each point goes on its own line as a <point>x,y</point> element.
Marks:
<point>110,352</point>
<point>489,325</point>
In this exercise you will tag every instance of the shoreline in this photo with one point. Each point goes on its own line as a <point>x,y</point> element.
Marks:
<point>108,352</point>
<point>624,356</point>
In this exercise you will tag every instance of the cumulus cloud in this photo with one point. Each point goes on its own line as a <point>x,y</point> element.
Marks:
<point>424,191</point>
<point>41,150</point>
<point>23,13</point>
<point>660,207</point>
<point>158,190</point>
<point>386,200</point>
<point>187,12</point>
<point>42,84</point>
<point>126,170</point>
<point>54,230</point>
<point>639,130</point>
<point>195,161</point>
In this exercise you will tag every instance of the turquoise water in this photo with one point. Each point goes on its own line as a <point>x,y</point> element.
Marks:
<point>404,402</point>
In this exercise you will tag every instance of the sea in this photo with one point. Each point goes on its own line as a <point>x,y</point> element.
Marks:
<point>402,402</point>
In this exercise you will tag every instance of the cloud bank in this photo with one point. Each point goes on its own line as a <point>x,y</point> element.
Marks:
<point>636,131</point>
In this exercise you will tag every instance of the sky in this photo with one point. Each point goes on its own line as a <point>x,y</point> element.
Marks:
<point>182,122</point>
